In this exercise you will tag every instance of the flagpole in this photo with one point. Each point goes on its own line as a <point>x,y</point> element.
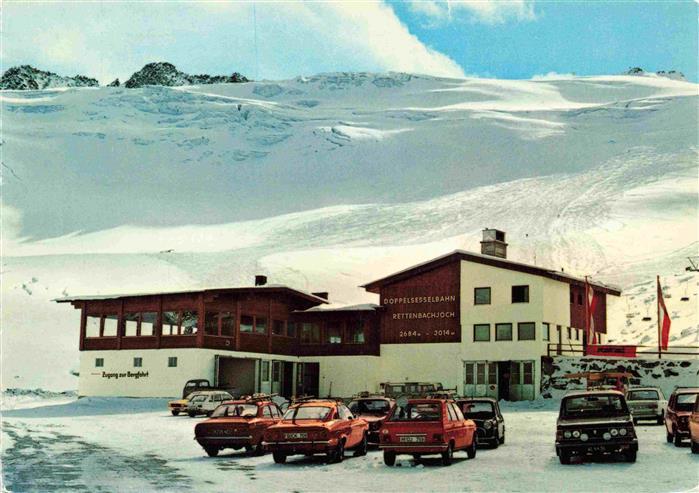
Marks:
<point>586,335</point>
<point>657,280</point>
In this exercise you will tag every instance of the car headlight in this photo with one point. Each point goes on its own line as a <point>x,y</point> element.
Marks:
<point>576,434</point>
<point>384,431</point>
<point>607,436</point>
<point>614,432</point>
<point>623,432</point>
<point>488,425</point>
<point>567,434</point>
<point>584,437</point>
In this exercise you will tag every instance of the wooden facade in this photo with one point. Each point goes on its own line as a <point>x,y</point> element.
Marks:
<point>258,320</point>
<point>577,309</point>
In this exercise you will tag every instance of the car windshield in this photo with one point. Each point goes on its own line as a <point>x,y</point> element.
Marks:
<point>685,402</point>
<point>642,395</point>
<point>431,411</point>
<point>236,410</point>
<point>477,409</point>
<point>308,412</point>
<point>585,406</point>
<point>370,406</point>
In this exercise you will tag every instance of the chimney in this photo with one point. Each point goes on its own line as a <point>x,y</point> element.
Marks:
<point>493,243</point>
<point>260,280</point>
<point>321,294</point>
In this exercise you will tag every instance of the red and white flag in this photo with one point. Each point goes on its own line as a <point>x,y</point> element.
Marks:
<point>663,319</point>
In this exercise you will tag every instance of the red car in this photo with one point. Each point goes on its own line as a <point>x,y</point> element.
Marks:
<point>374,410</point>
<point>679,409</point>
<point>237,424</point>
<point>318,426</point>
<point>427,427</point>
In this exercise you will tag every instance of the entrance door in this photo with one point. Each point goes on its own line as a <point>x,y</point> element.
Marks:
<point>287,379</point>
<point>308,379</point>
<point>522,380</point>
<point>480,379</point>
<point>277,370</point>
<point>504,380</point>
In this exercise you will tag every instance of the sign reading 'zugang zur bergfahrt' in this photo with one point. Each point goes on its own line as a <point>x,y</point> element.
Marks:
<point>421,318</point>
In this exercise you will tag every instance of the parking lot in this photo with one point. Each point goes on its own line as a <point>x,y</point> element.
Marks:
<point>136,445</point>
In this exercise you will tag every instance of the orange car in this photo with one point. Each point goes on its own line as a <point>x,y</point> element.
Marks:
<point>237,424</point>
<point>318,426</point>
<point>694,427</point>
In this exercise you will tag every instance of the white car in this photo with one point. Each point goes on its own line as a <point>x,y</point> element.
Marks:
<point>646,403</point>
<point>205,402</point>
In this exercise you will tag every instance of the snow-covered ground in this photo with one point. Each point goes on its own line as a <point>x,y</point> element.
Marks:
<point>134,445</point>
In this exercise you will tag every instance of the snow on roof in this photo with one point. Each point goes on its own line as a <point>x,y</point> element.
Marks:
<point>498,262</point>
<point>340,308</point>
<point>270,287</point>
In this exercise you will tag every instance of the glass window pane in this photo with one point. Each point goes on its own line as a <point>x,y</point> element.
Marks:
<point>492,373</point>
<point>170,323</point>
<point>468,374</point>
<point>110,325</point>
<point>520,294</point>
<point>278,327</point>
<point>261,325</point>
<point>246,323</point>
<point>131,324</point>
<point>528,372</point>
<point>211,323</point>
<point>480,374</point>
<point>481,332</point>
<point>514,373</point>
<point>227,323</point>
<point>503,332</point>
<point>355,329</point>
<point>546,328</point>
<point>190,322</point>
<point>333,333</point>
<point>526,331</point>
<point>265,371</point>
<point>92,326</point>
<point>291,329</point>
<point>148,321</point>
<point>481,296</point>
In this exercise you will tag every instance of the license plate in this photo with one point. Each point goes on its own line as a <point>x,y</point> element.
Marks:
<point>412,439</point>
<point>295,435</point>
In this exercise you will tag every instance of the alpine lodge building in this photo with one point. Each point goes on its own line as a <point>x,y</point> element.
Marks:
<point>476,322</point>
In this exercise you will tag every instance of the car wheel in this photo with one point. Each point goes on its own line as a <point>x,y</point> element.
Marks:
<point>448,455</point>
<point>677,440</point>
<point>362,448</point>
<point>502,439</point>
<point>496,440</point>
<point>695,447</point>
<point>564,457</point>
<point>211,451</point>
<point>668,437</point>
<point>471,451</point>
<point>389,458</point>
<point>208,415</point>
<point>630,456</point>
<point>192,415</point>
<point>337,455</point>
<point>279,457</point>
<point>635,421</point>
<point>661,419</point>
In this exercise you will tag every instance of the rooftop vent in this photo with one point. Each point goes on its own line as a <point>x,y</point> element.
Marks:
<point>260,280</point>
<point>321,294</point>
<point>493,243</point>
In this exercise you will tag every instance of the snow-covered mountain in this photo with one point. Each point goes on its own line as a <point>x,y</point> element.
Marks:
<point>166,74</point>
<point>28,78</point>
<point>328,182</point>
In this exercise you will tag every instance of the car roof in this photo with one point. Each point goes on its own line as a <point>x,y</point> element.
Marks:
<point>424,400</point>
<point>318,402</point>
<point>581,393</point>
<point>243,401</point>
<point>687,390</point>
<point>642,388</point>
<point>476,399</point>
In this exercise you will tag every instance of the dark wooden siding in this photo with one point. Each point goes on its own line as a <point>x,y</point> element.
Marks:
<point>368,319</point>
<point>577,310</point>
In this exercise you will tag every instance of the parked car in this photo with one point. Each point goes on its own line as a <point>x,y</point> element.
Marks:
<point>679,408</point>
<point>206,401</point>
<point>317,426</point>
<point>485,412</point>
<point>195,385</point>
<point>413,389</point>
<point>180,405</point>
<point>374,410</point>
<point>646,403</point>
<point>427,427</point>
<point>694,428</point>
<point>593,423</point>
<point>238,424</point>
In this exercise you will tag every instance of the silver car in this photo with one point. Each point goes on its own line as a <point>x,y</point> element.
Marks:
<point>646,403</point>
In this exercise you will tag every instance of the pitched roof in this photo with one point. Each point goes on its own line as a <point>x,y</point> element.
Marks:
<point>480,258</point>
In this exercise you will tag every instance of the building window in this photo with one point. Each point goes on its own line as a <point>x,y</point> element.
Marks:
<point>92,325</point>
<point>278,327</point>
<point>310,333</point>
<point>211,323</point>
<point>260,325</point>
<point>140,323</point>
<point>481,296</point>
<point>227,321</point>
<point>520,294</point>
<point>333,333</point>
<point>526,331</point>
<point>110,324</point>
<point>528,373</point>
<point>99,362</point>
<point>265,371</point>
<point>468,374</point>
<point>570,336</point>
<point>137,362</point>
<point>190,322</point>
<point>546,329</point>
<point>131,324</point>
<point>172,362</point>
<point>171,323</point>
<point>355,332</point>
<point>291,329</point>
<point>503,332</point>
<point>276,371</point>
<point>481,332</point>
<point>246,323</point>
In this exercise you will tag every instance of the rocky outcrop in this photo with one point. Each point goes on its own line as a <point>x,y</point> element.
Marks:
<point>114,83</point>
<point>670,74</point>
<point>26,78</point>
<point>166,74</point>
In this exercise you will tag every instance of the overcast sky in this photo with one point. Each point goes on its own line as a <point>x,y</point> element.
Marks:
<point>274,40</point>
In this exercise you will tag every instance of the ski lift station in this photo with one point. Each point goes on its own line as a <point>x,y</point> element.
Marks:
<point>476,322</point>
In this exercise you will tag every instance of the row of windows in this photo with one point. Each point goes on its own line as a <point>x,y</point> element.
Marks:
<point>482,296</point>
<point>335,333</point>
<point>484,373</point>
<point>526,331</point>
<point>138,362</point>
